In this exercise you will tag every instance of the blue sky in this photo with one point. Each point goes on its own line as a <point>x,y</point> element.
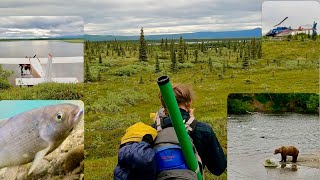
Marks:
<point>125,17</point>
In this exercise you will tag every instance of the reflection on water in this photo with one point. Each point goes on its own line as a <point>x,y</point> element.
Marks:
<point>253,138</point>
<point>20,49</point>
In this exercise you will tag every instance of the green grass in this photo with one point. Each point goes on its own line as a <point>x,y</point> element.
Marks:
<point>44,91</point>
<point>74,40</point>
<point>211,92</point>
<point>119,99</point>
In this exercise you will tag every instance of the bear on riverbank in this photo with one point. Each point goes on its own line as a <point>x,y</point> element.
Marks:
<point>287,151</point>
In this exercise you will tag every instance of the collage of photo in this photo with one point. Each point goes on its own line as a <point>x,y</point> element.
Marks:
<point>189,91</point>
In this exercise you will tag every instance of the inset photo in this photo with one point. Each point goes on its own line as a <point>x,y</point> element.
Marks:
<point>291,41</point>
<point>273,136</point>
<point>37,49</point>
<point>41,139</point>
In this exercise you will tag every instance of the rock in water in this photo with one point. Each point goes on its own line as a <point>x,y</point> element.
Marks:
<point>31,135</point>
<point>270,163</point>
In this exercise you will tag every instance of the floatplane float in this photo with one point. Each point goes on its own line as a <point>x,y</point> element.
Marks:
<point>36,73</point>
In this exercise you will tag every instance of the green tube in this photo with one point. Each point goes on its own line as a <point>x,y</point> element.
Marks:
<point>177,122</point>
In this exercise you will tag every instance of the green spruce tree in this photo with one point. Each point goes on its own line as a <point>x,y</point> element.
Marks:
<point>162,45</point>
<point>87,72</point>
<point>245,62</point>
<point>100,58</point>
<point>196,56</point>
<point>173,64</point>
<point>202,47</point>
<point>166,44</point>
<point>180,51</point>
<point>210,64</point>
<point>157,65</point>
<point>142,48</point>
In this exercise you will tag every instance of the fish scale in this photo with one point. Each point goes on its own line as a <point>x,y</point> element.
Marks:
<point>19,136</point>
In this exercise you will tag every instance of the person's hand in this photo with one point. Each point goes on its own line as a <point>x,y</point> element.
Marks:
<point>148,138</point>
<point>191,112</point>
<point>152,116</point>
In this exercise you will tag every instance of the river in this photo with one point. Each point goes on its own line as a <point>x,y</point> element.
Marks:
<point>253,139</point>
<point>41,48</point>
<point>20,49</point>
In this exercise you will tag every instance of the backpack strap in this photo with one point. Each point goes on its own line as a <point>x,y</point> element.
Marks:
<point>188,124</point>
<point>158,122</point>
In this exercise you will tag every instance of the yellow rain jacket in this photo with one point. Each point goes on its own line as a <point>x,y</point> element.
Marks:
<point>136,132</point>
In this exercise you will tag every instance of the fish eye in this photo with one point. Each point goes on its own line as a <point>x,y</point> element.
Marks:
<point>59,117</point>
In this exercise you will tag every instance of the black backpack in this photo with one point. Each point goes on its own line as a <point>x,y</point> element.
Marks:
<point>169,158</point>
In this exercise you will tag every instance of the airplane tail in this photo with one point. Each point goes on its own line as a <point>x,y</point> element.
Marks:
<point>314,28</point>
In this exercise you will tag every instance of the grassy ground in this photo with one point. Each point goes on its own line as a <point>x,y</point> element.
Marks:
<point>74,40</point>
<point>114,102</point>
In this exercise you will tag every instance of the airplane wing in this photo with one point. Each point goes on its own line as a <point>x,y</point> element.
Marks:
<point>62,60</point>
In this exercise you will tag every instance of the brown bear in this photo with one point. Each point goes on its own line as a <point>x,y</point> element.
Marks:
<point>287,151</point>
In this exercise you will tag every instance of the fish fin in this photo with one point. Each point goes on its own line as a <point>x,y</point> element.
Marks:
<point>39,156</point>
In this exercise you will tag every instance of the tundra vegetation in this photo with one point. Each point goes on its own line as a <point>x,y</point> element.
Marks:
<point>273,103</point>
<point>120,84</point>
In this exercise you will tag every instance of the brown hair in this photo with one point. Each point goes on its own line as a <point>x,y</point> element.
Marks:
<point>183,94</point>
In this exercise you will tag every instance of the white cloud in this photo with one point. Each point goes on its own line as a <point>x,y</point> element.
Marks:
<point>39,26</point>
<point>125,17</point>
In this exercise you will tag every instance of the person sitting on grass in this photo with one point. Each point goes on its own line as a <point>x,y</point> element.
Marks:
<point>202,135</point>
<point>136,155</point>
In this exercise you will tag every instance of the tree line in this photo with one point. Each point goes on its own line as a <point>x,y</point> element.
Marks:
<point>177,52</point>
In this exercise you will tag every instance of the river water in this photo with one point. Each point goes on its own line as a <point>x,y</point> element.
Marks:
<point>20,49</point>
<point>41,48</point>
<point>253,139</point>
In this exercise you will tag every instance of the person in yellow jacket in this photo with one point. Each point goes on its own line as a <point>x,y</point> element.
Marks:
<point>136,155</point>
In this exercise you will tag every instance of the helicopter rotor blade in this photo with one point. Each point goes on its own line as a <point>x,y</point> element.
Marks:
<point>281,22</point>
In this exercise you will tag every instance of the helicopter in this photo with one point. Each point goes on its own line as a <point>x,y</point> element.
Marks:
<point>283,31</point>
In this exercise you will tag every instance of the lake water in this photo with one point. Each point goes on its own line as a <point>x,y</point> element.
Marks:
<point>20,49</point>
<point>9,108</point>
<point>253,139</point>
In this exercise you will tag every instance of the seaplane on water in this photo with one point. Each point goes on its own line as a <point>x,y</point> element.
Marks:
<point>284,31</point>
<point>32,72</point>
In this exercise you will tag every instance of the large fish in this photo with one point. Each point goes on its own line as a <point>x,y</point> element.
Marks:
<point>31,135</point>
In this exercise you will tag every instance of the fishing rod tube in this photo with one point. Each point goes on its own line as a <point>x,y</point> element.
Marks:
<point>178,125</point>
